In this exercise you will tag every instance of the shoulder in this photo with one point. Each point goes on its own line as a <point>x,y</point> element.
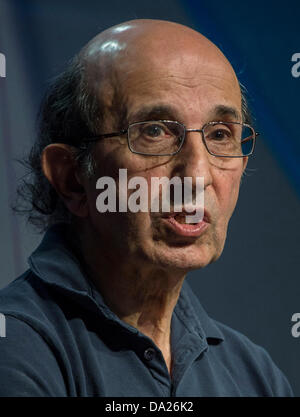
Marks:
<point>27,298</point>
<point>246,361</point>
<point>28,364</point>
<point>253,361</point>
<point>32,357</point>
<point>29,346</point>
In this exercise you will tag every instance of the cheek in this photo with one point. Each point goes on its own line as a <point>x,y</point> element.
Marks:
<point>225,193</point>
<point>120,230</point>
<point>226,188</point>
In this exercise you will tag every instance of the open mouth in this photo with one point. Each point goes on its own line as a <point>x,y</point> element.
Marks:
<point>179,223</point>
<point>182,219</point>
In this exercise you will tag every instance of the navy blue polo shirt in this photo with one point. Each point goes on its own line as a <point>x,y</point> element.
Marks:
<point>62,340</point>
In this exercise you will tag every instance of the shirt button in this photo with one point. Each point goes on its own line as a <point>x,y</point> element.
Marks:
<point>149,354</point>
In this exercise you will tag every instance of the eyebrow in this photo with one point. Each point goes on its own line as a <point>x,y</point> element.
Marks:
<point>155,112</point>
<point>223,111</point>
<point>167,112</point>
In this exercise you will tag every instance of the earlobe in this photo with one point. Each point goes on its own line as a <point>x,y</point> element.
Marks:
<point>59,167</point>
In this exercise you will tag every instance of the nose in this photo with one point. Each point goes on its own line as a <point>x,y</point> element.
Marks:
<point>193,160</point>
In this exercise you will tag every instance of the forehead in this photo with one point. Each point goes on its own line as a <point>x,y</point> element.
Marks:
<point>167,65</point>
<point>187,81</point>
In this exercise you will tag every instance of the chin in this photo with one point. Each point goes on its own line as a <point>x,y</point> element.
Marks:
<point>183,257</point>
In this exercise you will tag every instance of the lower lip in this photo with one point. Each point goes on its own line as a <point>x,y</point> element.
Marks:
<point>183,229</point>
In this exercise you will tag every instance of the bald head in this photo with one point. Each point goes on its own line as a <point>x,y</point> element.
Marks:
<point>141,37</point>
<point>125,57</point>
<point>130,44</point>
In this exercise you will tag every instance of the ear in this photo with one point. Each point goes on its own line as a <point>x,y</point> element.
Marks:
<point>60,169</point>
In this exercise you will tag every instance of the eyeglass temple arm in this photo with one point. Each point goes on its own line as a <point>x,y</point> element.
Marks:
<point>105,135</point>
<point>250,137</point>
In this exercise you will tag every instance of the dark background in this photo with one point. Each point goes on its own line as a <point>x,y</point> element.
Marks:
<point>254,287</point>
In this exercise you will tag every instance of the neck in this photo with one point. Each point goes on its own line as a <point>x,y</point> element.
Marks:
<point>138,293</point>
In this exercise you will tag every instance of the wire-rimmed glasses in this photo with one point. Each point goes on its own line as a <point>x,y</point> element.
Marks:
<point>166,138</point>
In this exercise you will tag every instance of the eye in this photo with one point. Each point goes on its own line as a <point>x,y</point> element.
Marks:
<point>219,134</point>
<point>154,131</point>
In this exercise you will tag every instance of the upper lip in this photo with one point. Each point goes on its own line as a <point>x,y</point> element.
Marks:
<point>206,215</point>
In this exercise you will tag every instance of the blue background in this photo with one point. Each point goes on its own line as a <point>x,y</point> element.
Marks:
<point>254,287</point>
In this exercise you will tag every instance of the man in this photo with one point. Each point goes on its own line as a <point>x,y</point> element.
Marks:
<point>103,309</point>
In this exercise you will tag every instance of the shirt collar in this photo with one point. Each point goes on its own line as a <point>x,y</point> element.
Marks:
<point>190,310</point>
<point>55,263</point>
